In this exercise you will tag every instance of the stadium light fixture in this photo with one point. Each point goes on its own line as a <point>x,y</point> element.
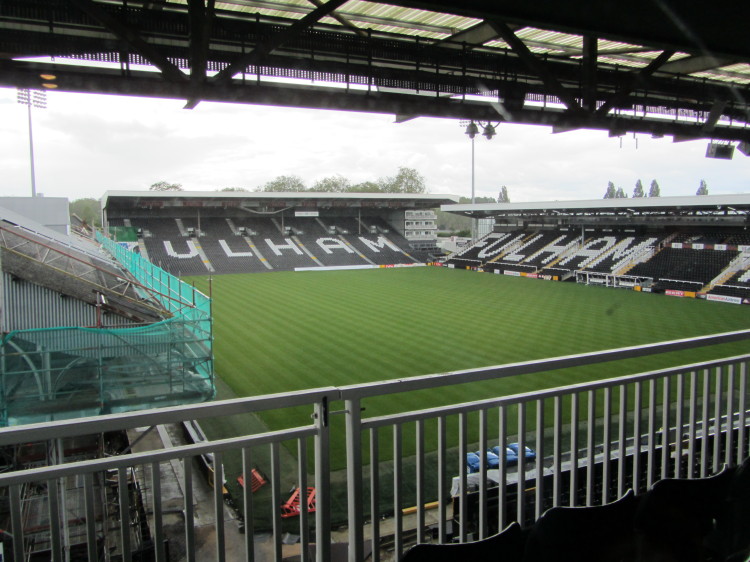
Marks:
<point>38,99</point>
<point>472,130</point>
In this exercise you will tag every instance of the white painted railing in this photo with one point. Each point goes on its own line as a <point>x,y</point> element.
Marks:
<point>592,441</point>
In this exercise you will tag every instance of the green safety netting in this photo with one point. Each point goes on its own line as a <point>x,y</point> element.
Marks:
<point>123,233</point>
<point>59,373</point>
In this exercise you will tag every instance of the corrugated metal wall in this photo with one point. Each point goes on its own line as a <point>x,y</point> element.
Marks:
<point>28,306</point>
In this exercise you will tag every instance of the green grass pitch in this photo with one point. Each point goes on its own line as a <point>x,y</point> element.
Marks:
<point>286,331</point>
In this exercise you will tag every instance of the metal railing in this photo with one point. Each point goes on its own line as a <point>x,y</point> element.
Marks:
<point>592,442</point>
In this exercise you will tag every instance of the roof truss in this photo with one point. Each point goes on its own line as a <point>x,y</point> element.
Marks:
<point>658,70</point>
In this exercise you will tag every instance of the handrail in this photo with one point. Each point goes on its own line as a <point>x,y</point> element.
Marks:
<point>683,407</point>
<point>172,414</point>
<point>423,382</point>
<point>478,405</point>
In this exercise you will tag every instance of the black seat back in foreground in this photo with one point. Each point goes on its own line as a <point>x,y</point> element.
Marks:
<point>579,534</point>
<point>506,546</point>
<point>681,519</point>
<point>736,525</point>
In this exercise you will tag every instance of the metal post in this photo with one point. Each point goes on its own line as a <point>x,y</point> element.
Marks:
<point>716,436</point>
<point>557,453</point>
<point>442,508</point>
<point>502,490</point>
<point>420,481</point>
<point>375,494</point>
<point>729,435</point>
<point>521,479</point>
<point>322,483</point>
<point>574,450</point>
<point>276,500</point>
<point>539,458</point>
<point>31,151</point>
<point>354,479</point>
<point>304,525</point>
<point>463,512</point>
<point>219,506</point>
<point>590,456</point>
<point>473,220</point>
<point>398,518</point>
<point>483,474</point>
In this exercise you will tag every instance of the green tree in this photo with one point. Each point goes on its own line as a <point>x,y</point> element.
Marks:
<point>503,195</point>
<point>233,189</point>
<point>334,184</point>
<point>165,186</point>
<point>638,191</point>
<point>620,193</point>
<point>364,187</point>
<point>407,180</point>
<point>703,189</point>
<point>284,183</point>
<point>654,191</point>
<point>611,192</point>
<point>88,210</point>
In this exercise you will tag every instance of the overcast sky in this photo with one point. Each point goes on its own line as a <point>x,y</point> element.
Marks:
<point>87,144</point>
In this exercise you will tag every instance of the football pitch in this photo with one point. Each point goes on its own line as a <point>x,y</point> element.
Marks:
<point>285,331</point>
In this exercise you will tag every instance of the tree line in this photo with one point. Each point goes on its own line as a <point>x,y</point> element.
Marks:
<point>654,191</point>
<point>406,180</point>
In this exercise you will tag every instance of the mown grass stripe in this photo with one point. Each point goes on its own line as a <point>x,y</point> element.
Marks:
<point>287,331</point>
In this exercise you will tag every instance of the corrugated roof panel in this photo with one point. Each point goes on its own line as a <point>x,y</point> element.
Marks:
<point>273,8</point>
<point>390,19</point>
<point>550,37</point>
<point>382,18</point>
<point>741,67</point>
<point>723,76</point>
<point>616,46</point>
<point>622,61</point>
<point>407,21</point>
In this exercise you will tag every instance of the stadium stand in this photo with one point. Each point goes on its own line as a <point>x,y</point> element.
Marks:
<point>187,248</point>
<point>168,248</point>
<point>700,519</point>
<point>681,262</point>
<point>626,248</point>
<point>191,234</point>
<point>696,267</point>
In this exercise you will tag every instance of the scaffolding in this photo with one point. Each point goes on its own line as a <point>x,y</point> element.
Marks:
<point>65,372</point>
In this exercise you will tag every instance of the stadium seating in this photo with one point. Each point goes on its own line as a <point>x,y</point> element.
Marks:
<point>169,249</point>
<point>626,248</point>
<point>731,291</point>
<point>189,245</point>
<point>508,546</point>
<point>581,534</point>
<point>685,264</point>
<point>681,519</point>
<point>489,247</point>
<point>542,249</point>
<point>677,520</point>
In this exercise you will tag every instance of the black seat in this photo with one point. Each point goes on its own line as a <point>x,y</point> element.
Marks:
<point>579,534</point>
<point>680,519</point>
<point>506,546</point>
<point>736,524</point>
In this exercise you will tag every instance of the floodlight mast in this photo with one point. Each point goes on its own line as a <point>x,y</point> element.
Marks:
<point>472,131</point>
<point>38,99</point>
